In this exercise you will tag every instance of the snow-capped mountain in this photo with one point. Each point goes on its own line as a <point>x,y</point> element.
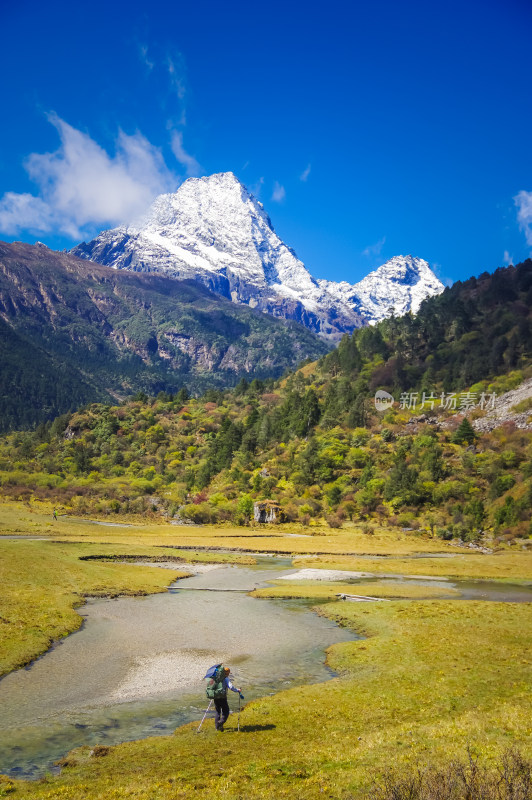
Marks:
<point>401,284</point>
<point>212,230</point>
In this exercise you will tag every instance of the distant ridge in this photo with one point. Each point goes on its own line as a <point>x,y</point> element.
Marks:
<point>75,332</point>
<point>214,231</point>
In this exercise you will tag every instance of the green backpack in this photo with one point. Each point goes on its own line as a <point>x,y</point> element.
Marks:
<point>216,689</point>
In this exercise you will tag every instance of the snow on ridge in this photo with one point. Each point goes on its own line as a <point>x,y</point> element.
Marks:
<point>402,283</point>
<point>212,229</point>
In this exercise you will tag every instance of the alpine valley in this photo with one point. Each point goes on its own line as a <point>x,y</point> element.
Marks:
<point>265,481</point>
<point>216,296</point>
<point>75,332</point>
<point>214,231</point>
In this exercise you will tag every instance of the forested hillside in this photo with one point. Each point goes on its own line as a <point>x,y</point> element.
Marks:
<point>74,332</point>
<point>476,329</point>
<point>314,442</point>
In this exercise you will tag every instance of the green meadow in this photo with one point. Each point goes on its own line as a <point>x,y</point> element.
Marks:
<point>432,677</point>
<point>504,565</point>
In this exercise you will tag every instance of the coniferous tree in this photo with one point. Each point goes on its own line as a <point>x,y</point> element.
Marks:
<point>464,433</point>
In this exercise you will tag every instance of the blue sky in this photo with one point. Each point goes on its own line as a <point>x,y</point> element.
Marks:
<point>367,130</point>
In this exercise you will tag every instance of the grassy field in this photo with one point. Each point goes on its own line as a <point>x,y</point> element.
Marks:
<point>505,565</point>
<point>320,590</point>
<point>36,520</point>
<point>431,679</point>
<point>42,582</point>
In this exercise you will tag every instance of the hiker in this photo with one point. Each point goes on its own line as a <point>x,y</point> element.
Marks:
<point>55,514</point>
<point>217,688</point>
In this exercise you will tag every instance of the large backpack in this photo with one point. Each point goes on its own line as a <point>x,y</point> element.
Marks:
<point>216,689</point>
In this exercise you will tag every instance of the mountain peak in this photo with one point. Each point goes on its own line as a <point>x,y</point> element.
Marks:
<point>214,231</point>
<point>212,203</point>
<point>224,178</point>
<point>402,283</point>
<point>402,269</point>
<point>225,181</point>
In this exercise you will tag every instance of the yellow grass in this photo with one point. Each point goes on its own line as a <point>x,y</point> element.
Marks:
<point>432,678</point>
<point>500,566</point>
<point>320,590</point>
<point>305,370</point>
<point>42,582</point>
<point>37,520</point>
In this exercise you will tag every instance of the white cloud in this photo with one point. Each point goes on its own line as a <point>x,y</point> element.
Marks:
<point>523,202</point>
<point>304,175</point>
<point>507,258</point>
<point>192,167</point>
<point>81,185</point>
<point>438,271</point>
<point>24,212</point>
<point>279,192</point>
<point>374,250</point>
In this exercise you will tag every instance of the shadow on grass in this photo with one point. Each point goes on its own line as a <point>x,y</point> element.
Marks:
<point>254,728</point>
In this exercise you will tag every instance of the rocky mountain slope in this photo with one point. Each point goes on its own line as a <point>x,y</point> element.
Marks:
<point>214,231</point>
<point>514,407</point>
<point>316,444</point>
<point>74,332</point>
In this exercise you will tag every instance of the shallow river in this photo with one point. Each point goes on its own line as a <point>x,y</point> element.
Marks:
<point>135,669</point>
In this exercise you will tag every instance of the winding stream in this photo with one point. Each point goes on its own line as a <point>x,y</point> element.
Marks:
<point>135,669</point>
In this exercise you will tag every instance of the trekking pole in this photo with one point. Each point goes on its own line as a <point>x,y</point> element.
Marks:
<point>203,720</point>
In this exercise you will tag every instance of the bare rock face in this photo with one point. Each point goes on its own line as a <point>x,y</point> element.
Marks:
<point>505,410</point>
<point>212,230</point>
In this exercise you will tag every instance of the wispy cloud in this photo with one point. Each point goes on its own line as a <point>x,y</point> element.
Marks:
<point>279,192</point>
<point>20,212</point>
<point>523,202</point>
<point>192,167</point>
<point>256,187</point>
<point>438,271</point>
<point>81,185</point>
<point>374,250</point>
<point>507,258</point>
<point>143,49</point>
<point>167,69</point>
<point>306,172</point>
<point>175,64</point>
